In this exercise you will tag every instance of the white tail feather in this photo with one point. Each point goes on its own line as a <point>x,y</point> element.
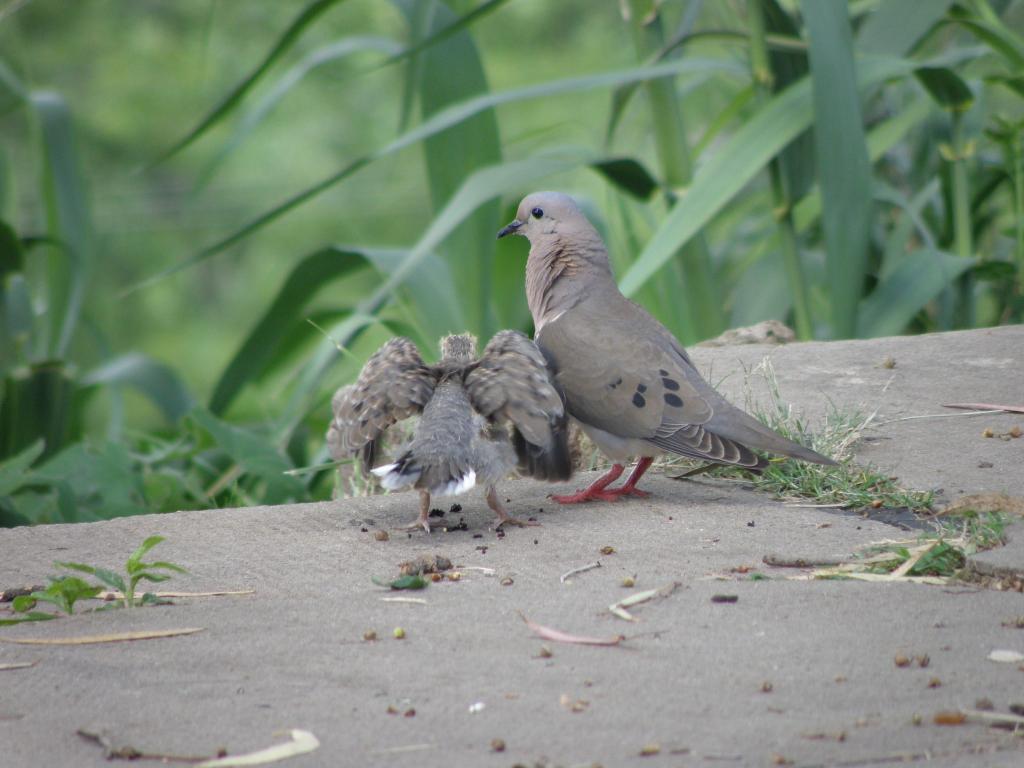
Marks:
<point>455,487</point>
<point>391,479</point>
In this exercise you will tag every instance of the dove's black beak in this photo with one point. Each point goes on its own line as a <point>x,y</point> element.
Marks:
<point>510,229</point>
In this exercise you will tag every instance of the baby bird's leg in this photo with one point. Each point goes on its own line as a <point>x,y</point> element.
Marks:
<point>423,521</point>
<point>503,516</point>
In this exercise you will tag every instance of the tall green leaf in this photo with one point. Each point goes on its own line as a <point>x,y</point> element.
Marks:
<point>255,455</point>
<point>327,54</point>
<point>896,25</point>
<point>68,220</point>
<point>261,345</point>
<point>284,42</point>
<point>156,381</point>
<point>843,167</point>
<point>453,115</point>
<point>920,277</point>
<point>448,73</point>
<point>736,162</point>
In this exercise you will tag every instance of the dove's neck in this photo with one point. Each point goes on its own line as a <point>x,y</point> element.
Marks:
<point>556,271</point>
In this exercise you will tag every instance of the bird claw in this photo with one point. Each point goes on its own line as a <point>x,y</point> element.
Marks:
<point>611,494</point>
<point>416,525</point>
<point>585,495</point>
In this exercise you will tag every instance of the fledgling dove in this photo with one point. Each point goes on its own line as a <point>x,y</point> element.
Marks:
<point>627,381</point>
<point>465,402</point>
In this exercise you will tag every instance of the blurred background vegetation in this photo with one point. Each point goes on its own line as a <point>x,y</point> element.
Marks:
<point>211,212</point>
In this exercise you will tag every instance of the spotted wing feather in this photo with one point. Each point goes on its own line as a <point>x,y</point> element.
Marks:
<point>394,384</point>
<point>511,382</point>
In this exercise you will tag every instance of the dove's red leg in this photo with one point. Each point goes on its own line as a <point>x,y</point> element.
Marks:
<point>629,488</point>
<point>596,490</point>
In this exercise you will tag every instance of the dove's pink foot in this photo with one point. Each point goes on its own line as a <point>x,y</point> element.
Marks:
<point>596,490</point>
<point>599,491</point>
<point>629,487</point>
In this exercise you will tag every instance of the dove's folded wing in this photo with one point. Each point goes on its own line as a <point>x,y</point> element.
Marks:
<point>394,384</point>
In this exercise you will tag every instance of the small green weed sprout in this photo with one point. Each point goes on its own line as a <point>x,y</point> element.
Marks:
<point>135,571</point>
<point>65,591</point>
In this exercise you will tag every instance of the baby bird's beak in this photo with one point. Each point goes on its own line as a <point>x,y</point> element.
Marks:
<point>512,228</point>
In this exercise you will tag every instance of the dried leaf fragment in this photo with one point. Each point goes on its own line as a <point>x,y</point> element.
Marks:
<point>1006,657</point>
<point>118,637</point>
<point>985,407</point>
<point>572,705</point>
<point>301,743</point>
<point>557,636</point>
<point>619,608</point>
<point>950,717</point>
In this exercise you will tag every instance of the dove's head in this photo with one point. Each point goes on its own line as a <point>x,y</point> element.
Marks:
<point>459,347</point>
<point>544,215</point>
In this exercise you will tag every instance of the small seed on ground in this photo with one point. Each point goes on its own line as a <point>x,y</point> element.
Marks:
<point>649,750</point>
<point>901,661</point>
<point>369,635</point>
<point>399,633</point>
<point>497,745</point>
<point>381,535</point>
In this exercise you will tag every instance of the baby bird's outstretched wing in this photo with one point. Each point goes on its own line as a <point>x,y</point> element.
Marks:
<point>394,384</point>
<point>510,382</point>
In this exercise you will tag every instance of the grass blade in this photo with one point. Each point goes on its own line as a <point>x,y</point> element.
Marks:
<point>14,471</point>
<point>252,118</point>
<point>255,455</point>
<point>306,17</point>
<point>453,115</point>
<point>920,277</point>
<point>68,220</point>
<point>896,25</point>
<point>261,345</point>
<point>843,167</point>
<point>157,381</point>
<point>448,73</point>
<point>737,161</point>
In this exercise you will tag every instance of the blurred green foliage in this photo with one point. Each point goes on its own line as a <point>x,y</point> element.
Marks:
<point>211,212</point>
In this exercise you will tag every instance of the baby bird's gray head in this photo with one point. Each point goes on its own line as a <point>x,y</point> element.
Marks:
<point>547,213</point>
<point>460,347</point>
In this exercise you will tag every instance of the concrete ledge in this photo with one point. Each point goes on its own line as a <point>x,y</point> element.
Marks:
<point>793,670</point>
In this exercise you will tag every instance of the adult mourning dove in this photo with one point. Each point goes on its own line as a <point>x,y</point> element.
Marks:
<point>627,381</point>
<point>465,402</point>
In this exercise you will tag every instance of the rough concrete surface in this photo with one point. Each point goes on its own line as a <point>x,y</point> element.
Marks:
<point>693,675</point>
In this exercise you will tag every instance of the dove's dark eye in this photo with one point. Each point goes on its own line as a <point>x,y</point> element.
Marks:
<point>537,213</point>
